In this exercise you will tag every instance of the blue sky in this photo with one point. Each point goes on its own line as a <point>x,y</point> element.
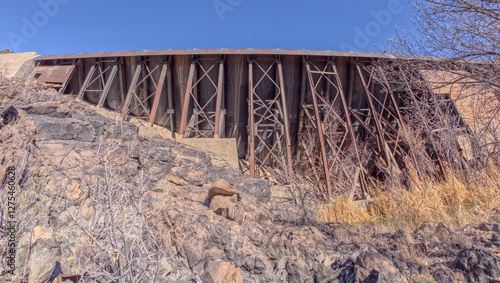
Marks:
<point>72,26</point>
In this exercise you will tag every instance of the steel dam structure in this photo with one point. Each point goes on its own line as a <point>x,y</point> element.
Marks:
<point>290,111</point>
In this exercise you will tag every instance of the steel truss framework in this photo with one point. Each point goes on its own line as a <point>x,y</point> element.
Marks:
<point>329,117</point>
<point>383,121</point>
<point>96,78</point>
<point>344,148</point>
<point>416,75</point>
<point>138,93</point>
<point>345,142</point>
<point>205,121</point>
<point>269,137</point>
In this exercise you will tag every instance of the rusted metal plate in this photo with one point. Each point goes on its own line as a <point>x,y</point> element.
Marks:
<point>221,51</point>
<point>54,74</point>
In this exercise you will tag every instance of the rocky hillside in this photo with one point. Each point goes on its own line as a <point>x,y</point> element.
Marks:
<point>112,206</point>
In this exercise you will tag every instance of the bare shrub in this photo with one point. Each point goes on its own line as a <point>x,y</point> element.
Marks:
<point>122,233</point>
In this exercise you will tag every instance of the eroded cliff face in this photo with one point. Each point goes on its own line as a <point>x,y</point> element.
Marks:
<point>113,206</point>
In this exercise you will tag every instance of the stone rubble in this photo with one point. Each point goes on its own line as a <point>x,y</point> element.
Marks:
<point>214,224</point>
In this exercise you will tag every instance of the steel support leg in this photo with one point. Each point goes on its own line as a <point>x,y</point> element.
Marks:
<point>148,88</point>
<point>185,106</point>
<point>351,131</point>
<point>252,119</point>
<point>205,115</point>
<point>65,85</point>
<point>380,132</point>
<point>86,82</point>
<point>320,132</point>
<point>402,125</point>
<point>285,119</point>
<point>170,104</point>
<point>220,88</point>
<point>108,85</point>
<point>426,125</point>
<point>270,143</point>
<point>159,89</point>
<point>131,89</point>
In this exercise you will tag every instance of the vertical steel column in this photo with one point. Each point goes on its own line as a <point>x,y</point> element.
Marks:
<point>426,125</point>
<point>80,71</point>
<point>380,132</point>
<point>252,122</point>
<point>108,85</point>
<point>131,89</point>
<point>142,98</point>
<point>302,104</point>
<point>351,128</point>
<point>320,131</point>
<point>170,104</point>
<point>271,156</point>
<point>185,106</point>
<point>120,80</point>
<point>203,113</point>
<point>159,89</point>
<point>285,119</point>
<point>65,85</point>
<point>400,118</point>
<point>86,82</point>
<point>220,89</point>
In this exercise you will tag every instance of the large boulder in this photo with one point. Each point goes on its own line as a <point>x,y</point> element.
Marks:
<point>378,267</point>
<point>479,264</point>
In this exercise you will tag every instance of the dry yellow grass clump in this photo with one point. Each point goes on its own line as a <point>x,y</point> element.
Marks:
<point>448,200</point>
<point>344,210</point>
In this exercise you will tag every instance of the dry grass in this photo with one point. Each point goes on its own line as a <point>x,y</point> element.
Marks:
<point>452,200</point>
<point>343,210</point>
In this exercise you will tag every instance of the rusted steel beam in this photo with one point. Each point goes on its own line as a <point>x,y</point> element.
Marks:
<point>351,131</point>
<point>285,119</point>
<point>267,123</point>
<point>79,67</point>
<point>185,106</point>
<point>320,131</point>
<point>221,51</point>
<point>159,89</point>
<point>86,82</point>
<point>426,125</point>
<point>107,86</point>
<point>380,131</point>
<point>220,91</point>
<point>252,119</point>
<point>66,82</point>
<point>313,168</point>
<point>133,85</point>
<point>120,81</point>
<point>142,98</point>
<point>203,113</point>
<point>339,131</point>
<point>402,126</point>
<point>102,82</point>
<point>170,99</point>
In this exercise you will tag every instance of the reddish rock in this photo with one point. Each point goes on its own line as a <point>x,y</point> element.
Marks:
<point>222,272</point>
<point>222,187</point>
<point>186,176</point>
<point>73,191</point>
<point>224,206</point>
